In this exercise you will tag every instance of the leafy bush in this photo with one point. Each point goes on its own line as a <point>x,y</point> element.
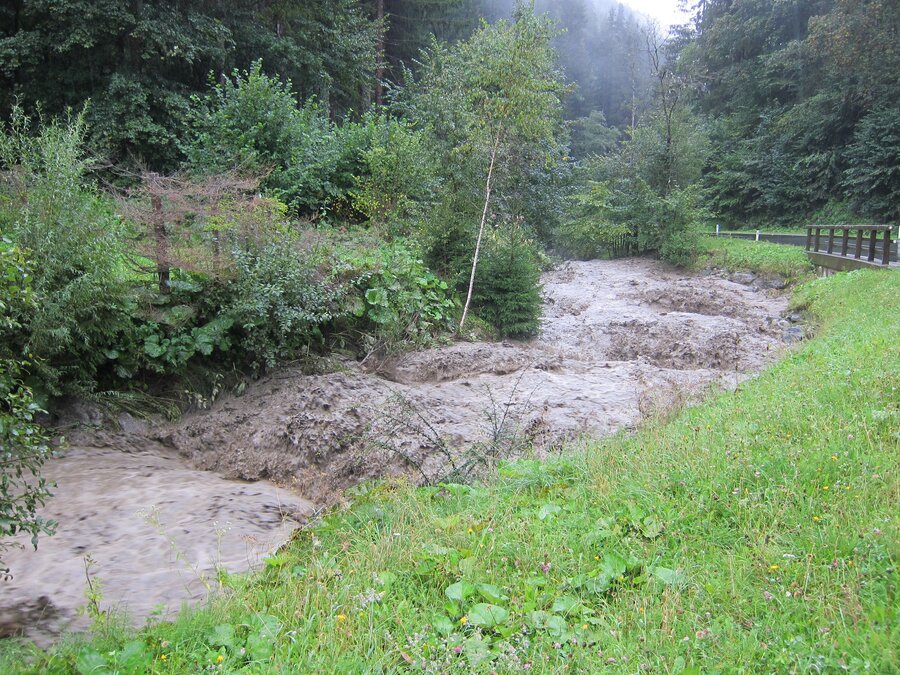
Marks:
<point>252,123</point>
<point>401,172</point>
<point>507,290</point>
<point>76,245</point>
<point>617,211</point>
<point>278,301</point>
<point>24,444</point>
<point>396,297</point>
<point>590,231</point>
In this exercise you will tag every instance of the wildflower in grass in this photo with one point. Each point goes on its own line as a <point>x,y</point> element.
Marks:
<point>341,618</point>
<point>584,626</point>
<point>163,657</point>
<point>773,568</point>
<point>463,621</point>
<point>834,458</point>
<point>370,597</point>
<point>816,519</point>
<point>220,658</point>
<point>545,567</point>
<point>767,595</point>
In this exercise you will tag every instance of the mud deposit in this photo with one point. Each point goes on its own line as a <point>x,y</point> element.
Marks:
<point>156,529</point>
<point>620,340</point>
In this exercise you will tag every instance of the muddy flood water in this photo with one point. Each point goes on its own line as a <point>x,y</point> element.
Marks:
<point>159,508</point>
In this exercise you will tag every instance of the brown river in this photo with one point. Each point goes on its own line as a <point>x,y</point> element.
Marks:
<point>151,513</point>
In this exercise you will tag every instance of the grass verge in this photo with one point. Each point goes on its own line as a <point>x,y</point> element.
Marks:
<point>756,532</point>
<point>739,255</point>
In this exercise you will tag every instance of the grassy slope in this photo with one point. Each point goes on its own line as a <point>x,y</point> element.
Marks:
<point>752,533</point>
<point>789,262</point>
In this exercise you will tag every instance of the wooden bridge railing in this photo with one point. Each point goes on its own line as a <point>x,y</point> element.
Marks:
<point>876,236</point>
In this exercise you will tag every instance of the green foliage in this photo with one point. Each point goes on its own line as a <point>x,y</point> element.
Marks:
<point>166,350</point>
<point>395,298</point>
<point>278,302</point>
<point>252,123</point>
<point>503,83</point>
<point>592,136</point>
<point>802,96</point>
<point>492,108</point>
<point>400,174</point>
<point>872,178</point>
<point>76,246</point>
<point>507,289</point>
<point>140,62</point>
<point>590,230</point>
<point>617,212</point>
<point>670,158</point>
<point>24,444</point>
<point>448,239</point>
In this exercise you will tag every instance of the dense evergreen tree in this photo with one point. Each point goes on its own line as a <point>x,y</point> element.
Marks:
<point>139,62</point>
<point>795,91</point>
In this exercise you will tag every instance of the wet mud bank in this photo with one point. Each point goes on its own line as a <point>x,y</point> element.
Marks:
<point>619,339</point>
<point>159,509</point>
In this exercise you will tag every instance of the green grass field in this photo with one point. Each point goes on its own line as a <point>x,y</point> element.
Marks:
<point>734,255</point>
<point>755,532</point>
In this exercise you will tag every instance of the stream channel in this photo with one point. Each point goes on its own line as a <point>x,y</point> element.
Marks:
<point>157,509</point>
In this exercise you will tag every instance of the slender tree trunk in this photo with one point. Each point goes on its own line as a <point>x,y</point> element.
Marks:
<point>487,201</point>
<point>379,54</point>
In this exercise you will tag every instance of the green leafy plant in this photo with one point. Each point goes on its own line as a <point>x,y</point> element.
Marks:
<point>24,444</point>
<point>251,123</point>
<point>397,298</point>
<point>76,247</point>
<point>400,174</point>
<point>278,302</point>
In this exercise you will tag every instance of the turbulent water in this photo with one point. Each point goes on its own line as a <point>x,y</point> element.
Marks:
<point>159,509</point>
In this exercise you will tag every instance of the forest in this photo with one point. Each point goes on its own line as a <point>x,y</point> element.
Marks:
<point>194,194</point>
